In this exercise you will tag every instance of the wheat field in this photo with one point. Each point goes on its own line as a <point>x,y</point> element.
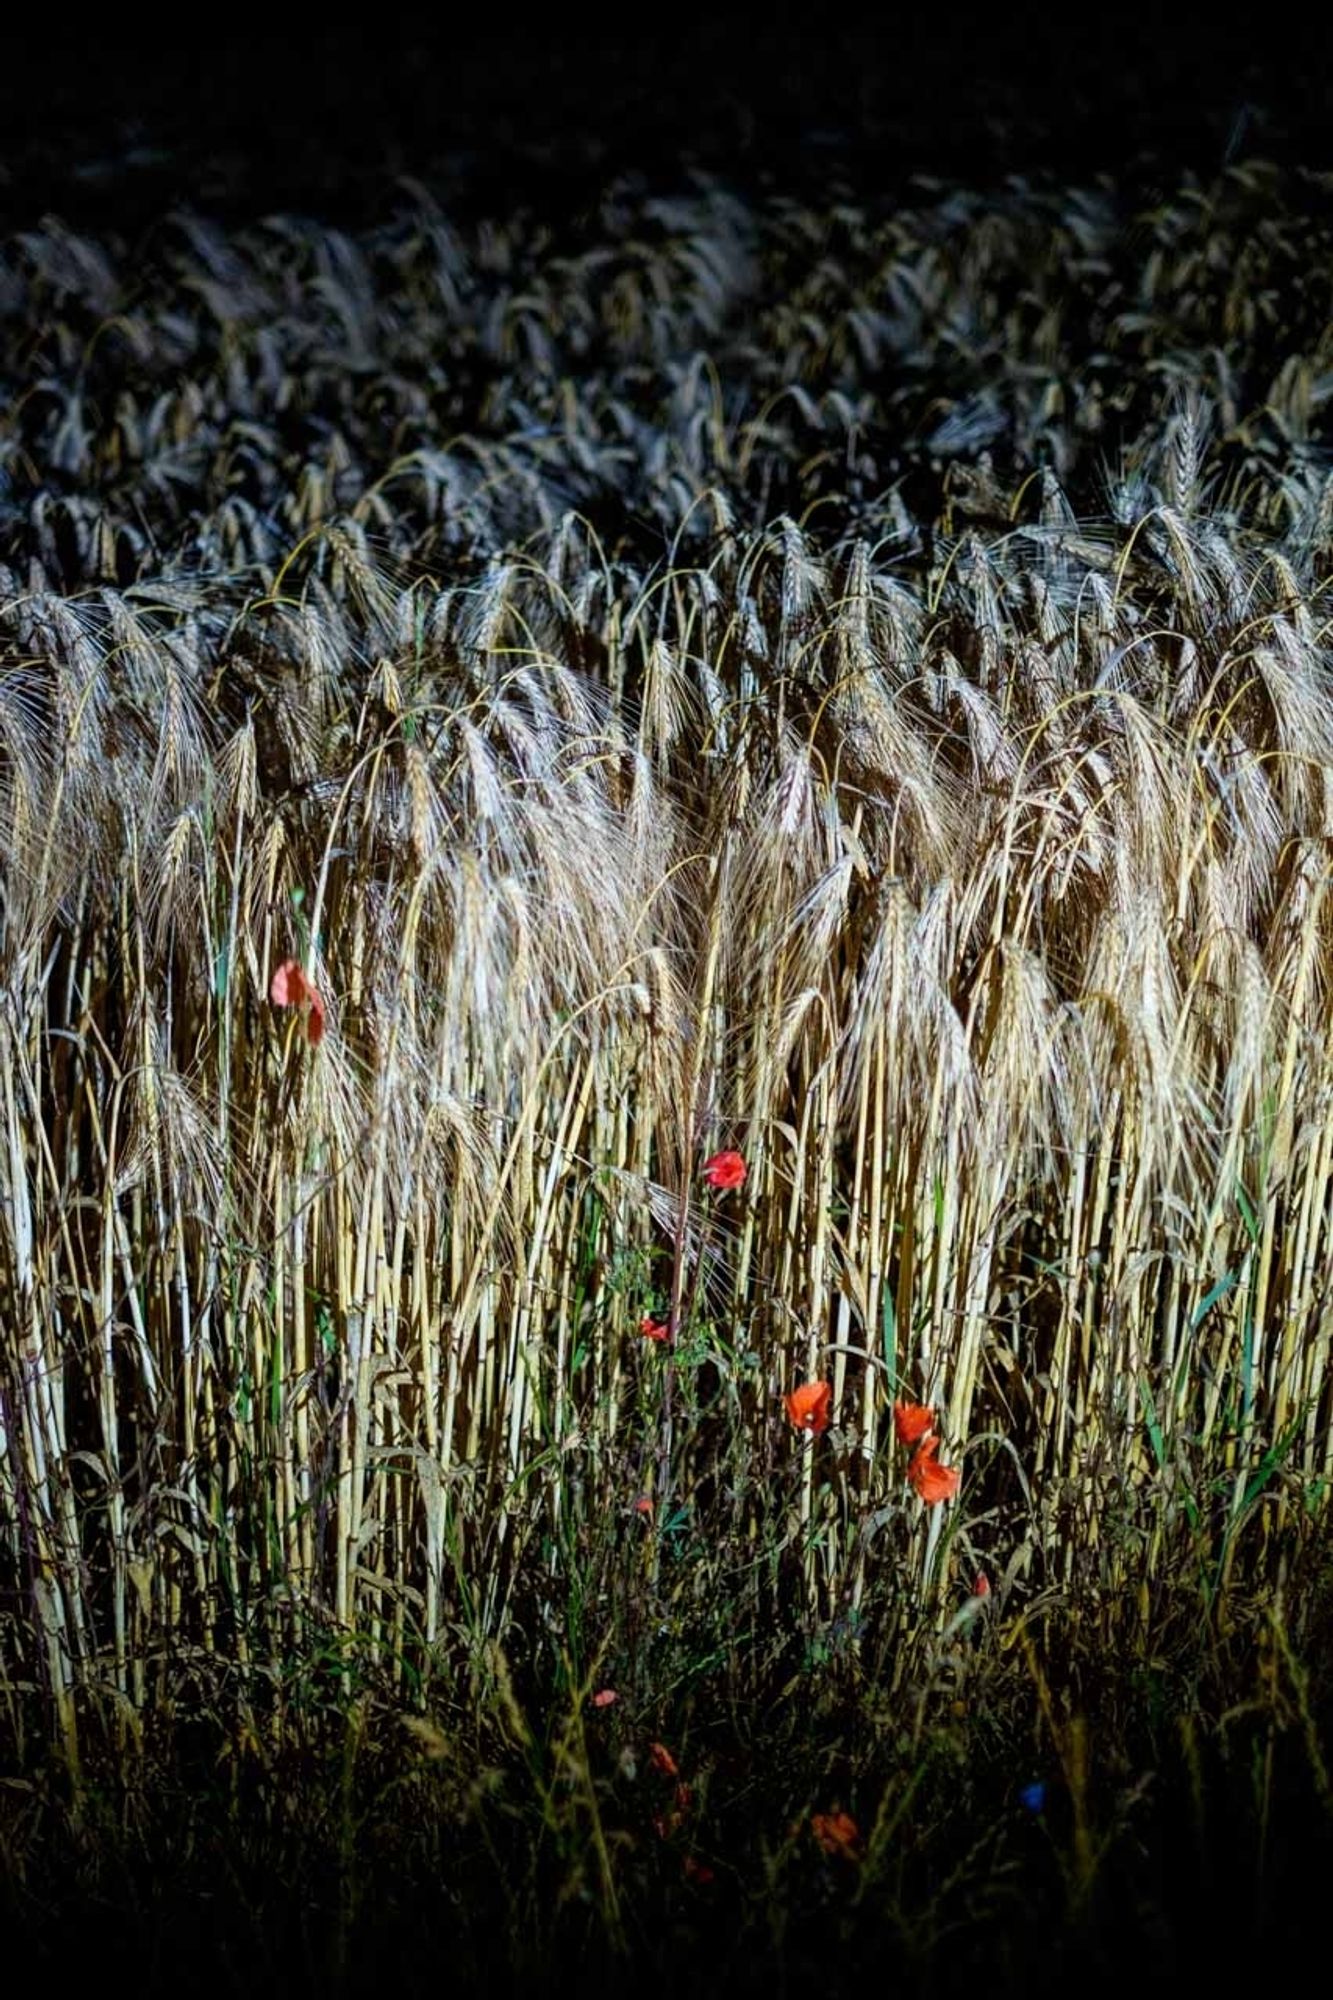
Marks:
<point>847,687</point>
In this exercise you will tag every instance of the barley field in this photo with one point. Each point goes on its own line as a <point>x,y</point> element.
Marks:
<point>666,1159</point>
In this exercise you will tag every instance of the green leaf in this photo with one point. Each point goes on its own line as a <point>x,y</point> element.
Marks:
<point>1151,1423</point>
<point>1219,1291</point>
<point>1249,1214</point>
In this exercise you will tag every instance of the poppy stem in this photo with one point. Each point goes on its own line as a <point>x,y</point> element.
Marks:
<point>677,1315</point>
<point>930,1568</point>
<point>682,1291</point>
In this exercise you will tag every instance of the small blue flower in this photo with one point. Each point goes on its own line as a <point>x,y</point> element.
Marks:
<point>1033,1796</point>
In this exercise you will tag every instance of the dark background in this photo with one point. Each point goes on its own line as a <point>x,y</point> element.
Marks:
<point>510,105</point>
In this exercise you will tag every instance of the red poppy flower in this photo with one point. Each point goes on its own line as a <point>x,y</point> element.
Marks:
<point>809,1406</point>
<point>662,1760</point>
<point>654,1329</point>
<point>930,1479</point>
<point>289,987</point>
<point>604,1698</point>
<point>912,1422</point>
<point>724,1170</point>
<point>837,1833</point>
<point>696,1871</point>
<point>981,1588</point>
<point>643,1505</point>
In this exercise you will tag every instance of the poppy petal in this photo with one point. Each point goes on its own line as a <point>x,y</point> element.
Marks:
<point>288,987</point>
<point>810,1406</point>
<point>934,1482</point>
<point>837,1833</point>
<point>912,1421</point>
